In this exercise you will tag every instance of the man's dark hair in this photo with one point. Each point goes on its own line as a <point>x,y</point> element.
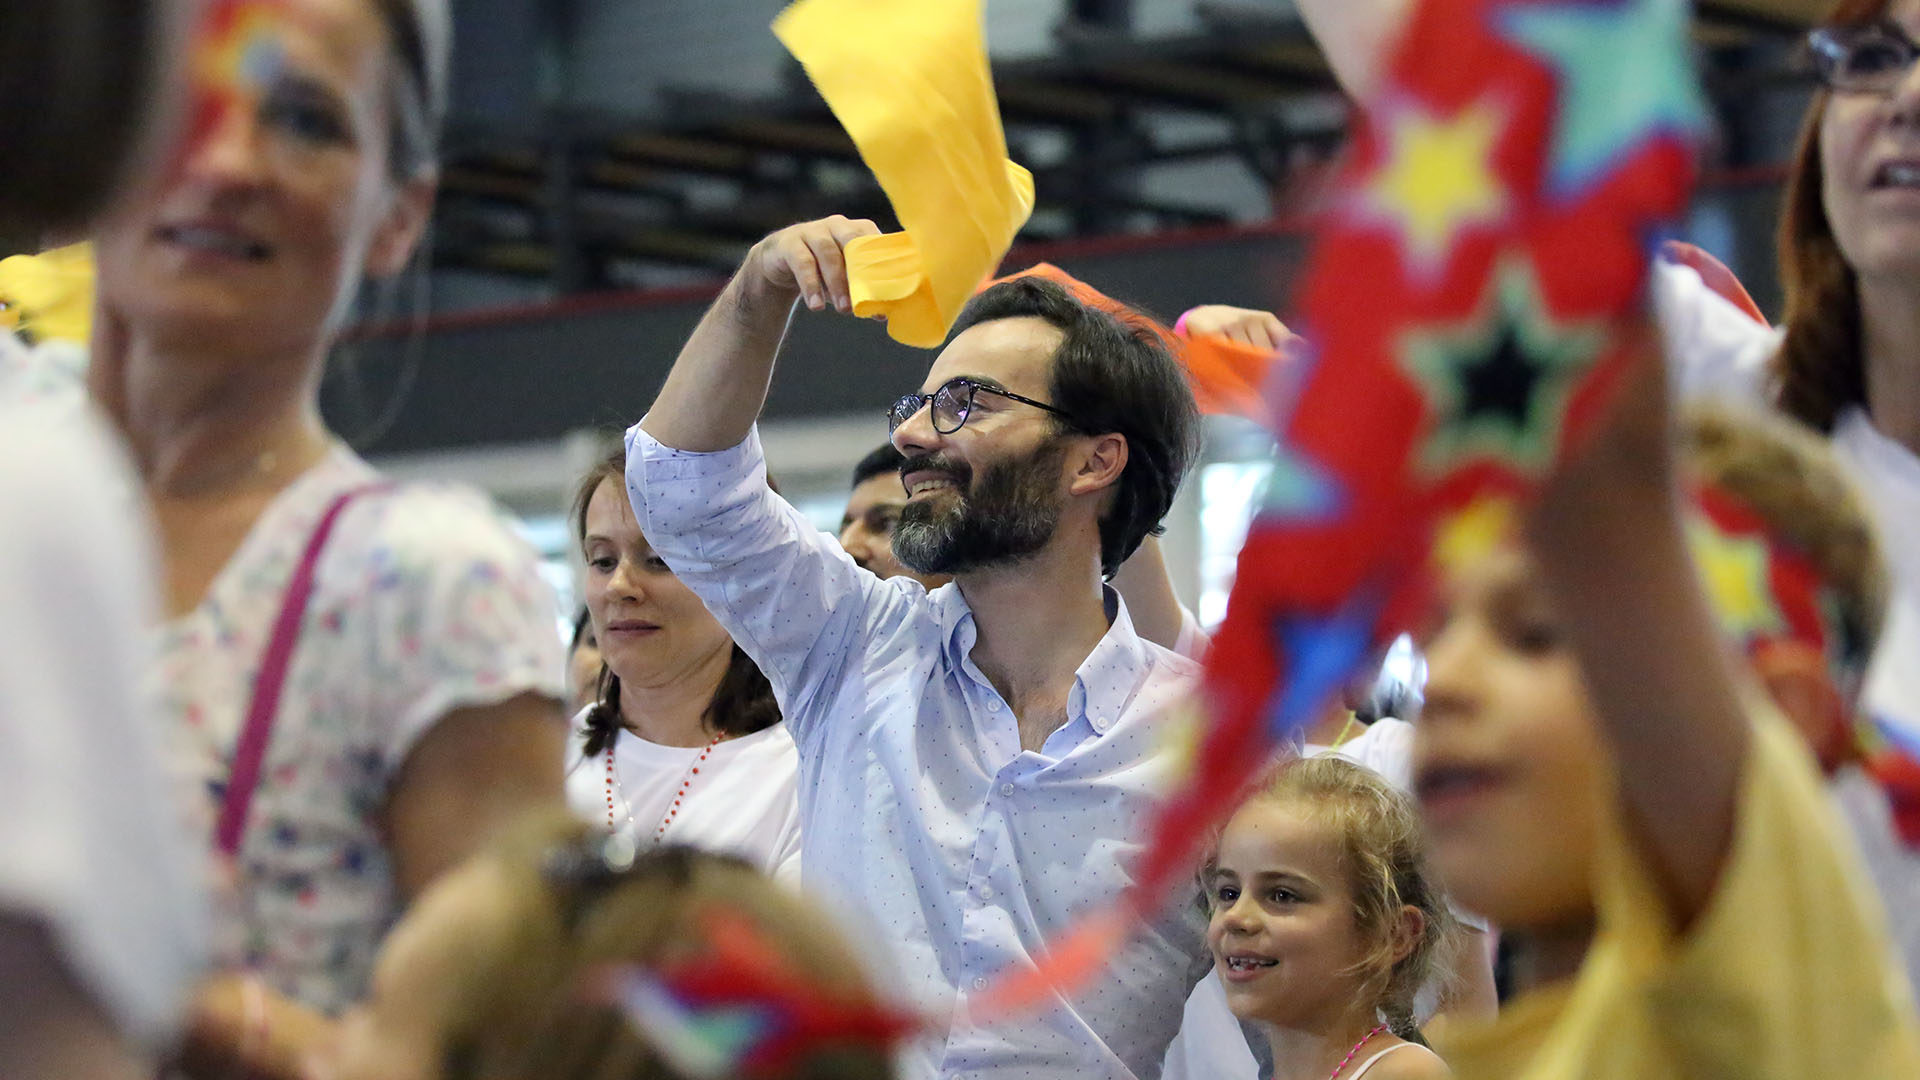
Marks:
<point>1110,376</point>
<point>884,459</point>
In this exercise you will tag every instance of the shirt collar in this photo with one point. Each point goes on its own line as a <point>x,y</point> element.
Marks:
<point>1104,683</point>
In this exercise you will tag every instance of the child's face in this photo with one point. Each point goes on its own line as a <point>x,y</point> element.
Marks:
<point>1508,765</point>
<point>1282,928</point>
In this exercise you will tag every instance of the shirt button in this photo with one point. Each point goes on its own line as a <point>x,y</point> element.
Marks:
<point>979,984</point>
<point>994,705</point>
<point>984,891</point>
<point>1006,789</point>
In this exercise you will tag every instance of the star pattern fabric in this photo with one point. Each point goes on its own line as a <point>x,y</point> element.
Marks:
<point>1472,308</point>
<point>1767,594</point>
<point>1736,569</point>
<point>1501,379</point>
<point>1613,94</point>
<point>1438,178</point>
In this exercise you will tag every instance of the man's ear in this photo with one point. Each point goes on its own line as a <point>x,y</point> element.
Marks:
<point>1099,464</point>
<point>401,227</point>
<point>1800,683</point>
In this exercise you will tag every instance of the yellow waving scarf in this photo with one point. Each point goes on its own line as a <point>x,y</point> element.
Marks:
<point>909,81</point>
<point>48,297</point>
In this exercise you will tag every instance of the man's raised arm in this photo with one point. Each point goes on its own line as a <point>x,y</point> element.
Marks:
<point>718,384</point>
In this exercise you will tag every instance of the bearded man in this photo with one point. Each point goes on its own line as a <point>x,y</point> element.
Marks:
<point>976,762</point>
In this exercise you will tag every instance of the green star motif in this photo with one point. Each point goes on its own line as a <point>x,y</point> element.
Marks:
<point>1625,74</point>
<point>1500,382</point>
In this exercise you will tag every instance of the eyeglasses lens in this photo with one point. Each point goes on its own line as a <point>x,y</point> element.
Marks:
<point>950,406</point>
<point>1864,59</point>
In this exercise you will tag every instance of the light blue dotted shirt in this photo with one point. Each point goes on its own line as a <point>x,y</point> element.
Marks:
<point>957,852</point>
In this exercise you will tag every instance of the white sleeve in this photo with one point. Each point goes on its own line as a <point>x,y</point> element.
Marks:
<point>1211,1045</point>
<point>1714,349</point>
<point>785,591</point>
<point>92,831</point>
<point>459,614</point>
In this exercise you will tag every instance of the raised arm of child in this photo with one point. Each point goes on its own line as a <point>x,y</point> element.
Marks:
<point>1610,540</point>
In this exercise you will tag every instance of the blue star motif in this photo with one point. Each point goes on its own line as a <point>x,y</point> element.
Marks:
<point>1320,652</point>
<point>1625,74</point>
<point>1298,489</point>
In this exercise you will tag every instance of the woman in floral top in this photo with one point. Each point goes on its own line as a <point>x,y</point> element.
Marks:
<point>420,708</point>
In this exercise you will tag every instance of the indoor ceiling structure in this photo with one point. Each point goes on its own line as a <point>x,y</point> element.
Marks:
<point>1128,129</point>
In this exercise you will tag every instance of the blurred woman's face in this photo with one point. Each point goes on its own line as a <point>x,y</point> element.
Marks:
<point>257,235</point>
<point>1870,163</point>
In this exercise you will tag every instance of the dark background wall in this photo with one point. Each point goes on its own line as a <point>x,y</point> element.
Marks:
<point>536,373</point>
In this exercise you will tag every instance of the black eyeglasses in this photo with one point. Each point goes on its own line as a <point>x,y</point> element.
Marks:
<point>953,403</point>
<point>1869,58</point>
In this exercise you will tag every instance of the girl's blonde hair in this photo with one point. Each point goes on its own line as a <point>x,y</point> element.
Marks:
<point>1383,850</point>
<point>524,1014</point>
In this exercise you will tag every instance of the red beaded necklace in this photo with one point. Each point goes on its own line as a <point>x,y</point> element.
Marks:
<point>673,811</point>
<point>1364,1040</point>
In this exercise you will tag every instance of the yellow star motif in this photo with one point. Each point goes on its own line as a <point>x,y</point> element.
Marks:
<point>1468,535</point>
<point>1735,572</point>
<point>1438,177</point>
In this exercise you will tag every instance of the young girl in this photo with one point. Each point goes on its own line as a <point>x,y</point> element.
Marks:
<point>557,955</point>
<point>1324,923</point>
<point>1651,836</point>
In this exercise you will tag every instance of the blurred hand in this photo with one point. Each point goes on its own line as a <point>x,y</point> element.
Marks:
<point>808,260</point>
<point>1260,329</point>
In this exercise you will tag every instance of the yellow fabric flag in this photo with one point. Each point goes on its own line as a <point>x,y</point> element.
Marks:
<point>909,81</point>
<point>49,296</point>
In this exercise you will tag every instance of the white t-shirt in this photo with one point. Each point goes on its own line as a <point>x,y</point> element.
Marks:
<point>1893,866</point>
<point>1888,476</point>
<point>93,834</point>
<point>1720,352</point>
<point>425,601</point>
<point>744,801</point>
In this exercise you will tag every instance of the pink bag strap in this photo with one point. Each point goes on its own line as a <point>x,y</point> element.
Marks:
<point>250,751</point>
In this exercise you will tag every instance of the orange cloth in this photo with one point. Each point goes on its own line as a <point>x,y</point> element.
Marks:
<point>909,81</point>
<point>1226,376</point>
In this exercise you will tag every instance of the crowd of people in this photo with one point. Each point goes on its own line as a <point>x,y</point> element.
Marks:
<point>289,789</point>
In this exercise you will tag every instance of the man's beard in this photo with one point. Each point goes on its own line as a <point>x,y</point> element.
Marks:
<point>1008,516</point>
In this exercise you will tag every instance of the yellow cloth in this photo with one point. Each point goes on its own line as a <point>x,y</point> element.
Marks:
<point>49,297</point>
<point>909,81</point>
<point>1787,975</point>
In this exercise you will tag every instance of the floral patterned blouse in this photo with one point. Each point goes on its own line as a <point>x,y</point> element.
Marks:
<point>424,601</point>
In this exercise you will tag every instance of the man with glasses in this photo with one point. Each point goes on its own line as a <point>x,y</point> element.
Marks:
<point>976,762</point>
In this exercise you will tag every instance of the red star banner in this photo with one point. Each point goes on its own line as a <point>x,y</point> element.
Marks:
<point>1473,305</point>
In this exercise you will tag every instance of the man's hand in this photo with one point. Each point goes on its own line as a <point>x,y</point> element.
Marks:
<point>1260,329</point>
<point>716,389</point>
<point>808,260</point>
